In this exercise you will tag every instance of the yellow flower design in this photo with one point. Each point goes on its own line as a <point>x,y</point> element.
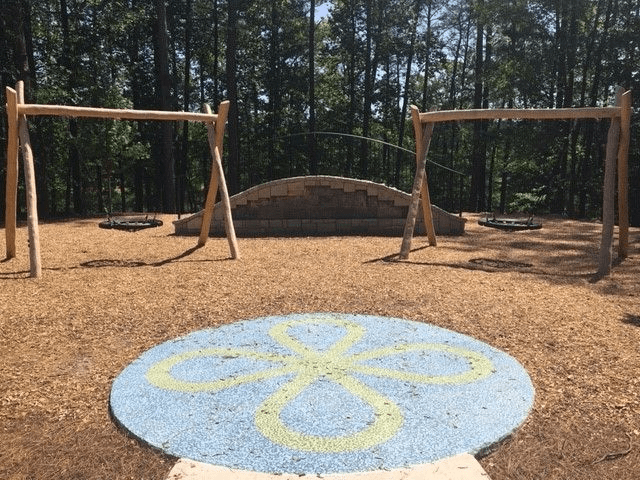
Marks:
<point>309,365</point>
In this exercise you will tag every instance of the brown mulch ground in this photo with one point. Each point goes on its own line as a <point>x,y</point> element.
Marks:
<point>107,296</point>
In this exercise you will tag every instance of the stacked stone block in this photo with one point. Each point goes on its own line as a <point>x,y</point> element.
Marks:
<point>320,206</point>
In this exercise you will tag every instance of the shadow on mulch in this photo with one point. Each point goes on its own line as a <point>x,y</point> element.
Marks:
<point>489,265</point>
<point>633,320</point>
<point>14,275</point>
<point>106,262</point>
<point>501,264</point>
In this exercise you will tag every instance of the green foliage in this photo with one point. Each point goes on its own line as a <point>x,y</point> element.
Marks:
<point>536,55</point>
<point>529,202</point>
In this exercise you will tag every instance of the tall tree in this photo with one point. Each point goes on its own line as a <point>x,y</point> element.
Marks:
<point>186,93</point>
<point>166,177</point>
<point>478,156</point>
<point>313,160</point>
<point>274,82</point>
<point>370,68</point>
<point>359,67</point>
<point>233,178</point>
<point>417,6</point>
<point>70,62</point>
<point>427,57</point>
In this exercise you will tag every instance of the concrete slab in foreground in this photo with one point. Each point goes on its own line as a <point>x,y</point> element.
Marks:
<point>459,467</point>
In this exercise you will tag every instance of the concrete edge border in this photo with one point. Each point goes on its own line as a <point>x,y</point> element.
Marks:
<point>459,467</point>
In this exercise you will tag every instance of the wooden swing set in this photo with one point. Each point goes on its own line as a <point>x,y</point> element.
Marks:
<point>18,136</point>
<point>617,149</point>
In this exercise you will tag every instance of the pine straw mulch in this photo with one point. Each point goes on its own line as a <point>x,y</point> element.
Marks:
<point>107,296</point>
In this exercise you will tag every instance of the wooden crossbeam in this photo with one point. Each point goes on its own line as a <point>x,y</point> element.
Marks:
<point>522,114</point>
<point>112,113</point>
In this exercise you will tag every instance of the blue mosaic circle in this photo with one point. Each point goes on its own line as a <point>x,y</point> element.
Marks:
<point>322,393</point>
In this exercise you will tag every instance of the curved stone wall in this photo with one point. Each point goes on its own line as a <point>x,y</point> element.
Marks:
<point>319,206</point>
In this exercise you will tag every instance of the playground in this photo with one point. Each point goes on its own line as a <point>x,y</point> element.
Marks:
<point>249,362</point>
<point>107,296</point>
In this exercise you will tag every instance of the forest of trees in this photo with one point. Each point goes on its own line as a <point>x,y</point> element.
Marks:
<point>292,67</point>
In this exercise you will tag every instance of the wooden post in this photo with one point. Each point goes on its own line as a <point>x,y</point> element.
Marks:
<point>207,213</point>
<point>218,139</point>
<point>608,194</point>
<point>226,205</point>
<point>420,187</point>
<point>30,182</point>
<point>215,136</point>
<point>427,214</point>
<point>223,111</point>
<point>623,175</point>
<point>221,122</point>
<point>11,191</point>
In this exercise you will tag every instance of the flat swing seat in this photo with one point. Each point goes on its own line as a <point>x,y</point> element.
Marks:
<point>130,224</point>
<point>510,224</point>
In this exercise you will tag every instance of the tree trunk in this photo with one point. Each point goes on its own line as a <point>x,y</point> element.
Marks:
<point>369,78</point>
<point>123,193</point>
<point>588,166</point>
<point>68,61</point>
<point>184,158</point>
<point>567,59</point>
<point>313,160</point>
<point>163,79</point>
<point>453,128</point>
<point>407,84</point>
<point>233,163</point>
<point>425,80</point>
<point>351,117</point>
<point>274,82</point>
<point>478,157</point>
<point>20,23</point>
<point>216,53</point>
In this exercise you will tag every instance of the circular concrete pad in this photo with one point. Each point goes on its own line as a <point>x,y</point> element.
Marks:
<point>322,393</point>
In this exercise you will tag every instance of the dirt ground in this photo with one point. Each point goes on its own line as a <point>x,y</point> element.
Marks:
<point>106,296</point>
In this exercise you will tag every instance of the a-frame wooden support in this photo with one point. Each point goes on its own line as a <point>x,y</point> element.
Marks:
<point>616,154</point>
<point>18,136</point>
<point>215,134</point>
<point>617,151</point>
<point>420,189</point>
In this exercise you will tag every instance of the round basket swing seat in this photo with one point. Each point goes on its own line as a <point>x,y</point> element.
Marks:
<point>130,224</point>
<point>510,224</point>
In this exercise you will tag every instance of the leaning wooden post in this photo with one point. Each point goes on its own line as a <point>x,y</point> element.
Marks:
<point>604,263</point>
<point>623,175</point>
<point>427,214</point>
<point>226,205</point>
<point>30,182</point>
<point>215,135</point>
<point>207,214</point>
<point>11,191</point>
<point>420,188</point>
<point>210,201</point>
